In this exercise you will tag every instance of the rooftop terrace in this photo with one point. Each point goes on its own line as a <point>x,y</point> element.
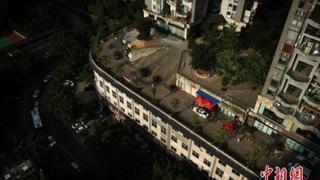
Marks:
<point>252,148</point>
<point>241,94</point>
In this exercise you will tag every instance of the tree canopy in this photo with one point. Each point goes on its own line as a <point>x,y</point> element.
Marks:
<point>143,25</point>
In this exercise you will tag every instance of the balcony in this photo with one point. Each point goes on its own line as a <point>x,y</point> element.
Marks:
<point>312,97</point>
<point>289,99</point>
<point>283,109</point>
<point>306,118</point>
<point>310,43</point>
<point>298,76</point>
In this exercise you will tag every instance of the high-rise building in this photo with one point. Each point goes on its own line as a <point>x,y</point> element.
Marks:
<point>177,16</point>
<point>290,99</point>
<point>238,12</point>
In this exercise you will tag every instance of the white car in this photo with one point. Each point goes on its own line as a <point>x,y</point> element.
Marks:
<point>47,78</point>
<point>68,83</point>
<point>200,112</point>
<point>51,141</point>
<point>75,166</point>
<point>75,125</point>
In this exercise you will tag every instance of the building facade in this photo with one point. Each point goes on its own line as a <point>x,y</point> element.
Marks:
<point>238,12</point>
<point>176,16</point>
<point>174,136</point>
<point>290,99</point>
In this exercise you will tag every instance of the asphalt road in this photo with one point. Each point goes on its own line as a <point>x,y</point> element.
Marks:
<point>64,136</point>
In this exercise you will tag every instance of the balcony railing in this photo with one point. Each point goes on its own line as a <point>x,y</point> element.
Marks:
<point>298,76</point>
<point>313,98</point>
<point>287,98</point>
<point>284,110</point>
<point>306,118</point>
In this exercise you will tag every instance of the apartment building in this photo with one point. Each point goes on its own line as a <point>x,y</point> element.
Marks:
<point>238,12</point>
<point>290,99</point>
<point>172,134</point>
<point>177,16</point>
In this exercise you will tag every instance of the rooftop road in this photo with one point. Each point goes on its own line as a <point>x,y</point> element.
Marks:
<point>164,63</point>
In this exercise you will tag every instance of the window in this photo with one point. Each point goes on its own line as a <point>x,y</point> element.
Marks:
<point>182,155</point>
<point>184,146</point>
<point>235,172</point>
<point>128,104</point>
<point>274,83</point>
<point>121,99</point>
<point>107,89</point>
<point>136,110</point>
<point>100,83</point>
<point>122,110</point>
<point>206,162</point>
<point>174,149</point>
<point>219,172</point>
<point>222,163</point>
<point>154,123</point>
<point>114,94</point>
<point>163,130</point>
<point>153,133</point>
<point>145,117</point>
<point>230,178</point>
<point>163,140</point>
<point>195,154</point>
<point>175,139</point>
<point>130,115</point>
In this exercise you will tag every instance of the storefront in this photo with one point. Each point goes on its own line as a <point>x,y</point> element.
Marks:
<point>205,100</point>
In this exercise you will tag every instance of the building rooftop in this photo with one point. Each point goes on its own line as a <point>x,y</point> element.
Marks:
<point>165,63</point>
<point>242,94</point>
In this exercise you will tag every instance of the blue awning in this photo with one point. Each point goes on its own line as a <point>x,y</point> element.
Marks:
<point>208,97</point>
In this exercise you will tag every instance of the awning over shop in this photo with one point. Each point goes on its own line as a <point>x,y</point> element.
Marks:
<point>204,102</point>
<point>204,99</point>
<point>208,97</point>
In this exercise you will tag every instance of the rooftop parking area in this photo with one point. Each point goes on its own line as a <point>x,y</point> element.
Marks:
<point>154,77</point>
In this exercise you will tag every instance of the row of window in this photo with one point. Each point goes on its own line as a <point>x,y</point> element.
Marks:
<point>218,171</point>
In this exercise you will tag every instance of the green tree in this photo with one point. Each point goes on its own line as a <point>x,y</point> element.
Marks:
<point>153,92</point>
<point>220,137</point>
<point>201,57</point>
<point>254,67</point>
<point>143,25</point>
<point>255,152</point>
<point>228,62</point>
<point>175,102</point>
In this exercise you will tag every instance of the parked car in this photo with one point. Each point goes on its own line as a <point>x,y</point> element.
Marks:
<point>75,166</point>
<point>36,93</point>
<point>52,142</point>
<point>200,112</point>
<point>47,78</point>
<point>75,125</point>
<point>79,127</point>
<point>68,83</point>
